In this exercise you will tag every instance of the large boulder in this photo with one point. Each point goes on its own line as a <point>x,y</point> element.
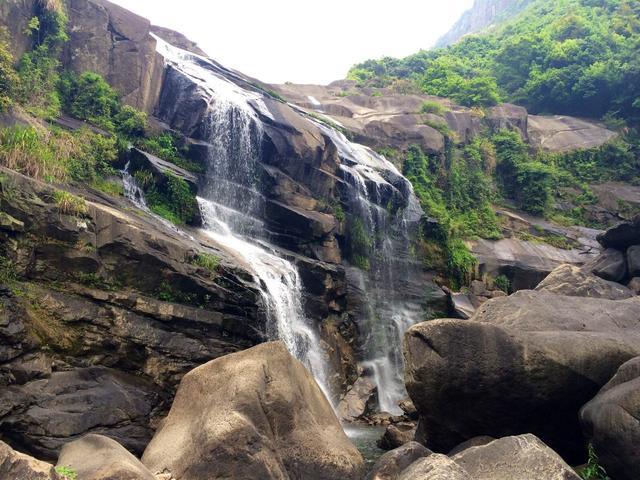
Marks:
<point>391,464</point>
<point>396,435</point>
<point>610,265</point>
<point>252,414</point>
<point>15,465</point>
<point>523,457</point>
<point>524,363</point>
<point>559,133</point>
<point>622,236</point>
<point>95,457</point>
<point>576,282</point>
<point>610,422</point>
<point>435,467</point>
<point>358,400</point>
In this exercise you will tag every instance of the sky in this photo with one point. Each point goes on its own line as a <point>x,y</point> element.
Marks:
<point>301,41</point>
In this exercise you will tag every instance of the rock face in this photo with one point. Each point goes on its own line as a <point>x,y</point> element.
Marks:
<point>610,265</point>
<point>435,467</point>
<point>610,422</point>
<point>576,282</point>
<point>397,435</point>
<point>95,457</point>
<point>482,15</point>
<point>524,363</point>
<point>84,315</point>
<point>622,236</point>
<point>514,458</point>
<point>391,464</point>
<point>561,134</point>
<point>275,424</point>
<point>14,465</point>
<point>358,401</point>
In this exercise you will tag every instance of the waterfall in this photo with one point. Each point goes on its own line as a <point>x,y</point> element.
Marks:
<point>232,205</point>
<point>390,308</point>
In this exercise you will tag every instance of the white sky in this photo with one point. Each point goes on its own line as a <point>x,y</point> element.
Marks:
<point>303,41</point>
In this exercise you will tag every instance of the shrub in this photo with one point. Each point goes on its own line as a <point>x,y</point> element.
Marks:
<point>91,98</point>
<point>209,262</point>
<point>172,199</point>
<point>165,147</point>
<point>8,77</point>
<point>503,283</point>
<point>432,107</point>
<point>130,122</point>
<point>69,204</point>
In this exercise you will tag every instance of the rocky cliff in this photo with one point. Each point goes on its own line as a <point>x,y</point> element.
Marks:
<point>483,15</point>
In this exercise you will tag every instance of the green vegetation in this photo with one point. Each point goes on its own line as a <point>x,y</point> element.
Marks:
<point>67,473</point>
<point>8,273</point>
<point>432,107</point>
<point>56,155</point>
<point>8,77</point>
<point>69,204</point>
<point>501,282</point>
<point>593,470</point>
<point>170,197</point>
<point>575,57</point>
<point>166,147</point>
<point>209,262</point>
<point>360,244</point>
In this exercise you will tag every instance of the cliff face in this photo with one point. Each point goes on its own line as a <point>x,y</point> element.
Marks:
<point>483,14</point>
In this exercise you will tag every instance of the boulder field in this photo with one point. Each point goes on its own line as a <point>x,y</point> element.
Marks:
<point>554,362</point>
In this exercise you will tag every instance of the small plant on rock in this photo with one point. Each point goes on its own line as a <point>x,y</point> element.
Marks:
<point>209,262</point>
<point>67,473</point>
<point>593,469</point>
<point>69,204</point>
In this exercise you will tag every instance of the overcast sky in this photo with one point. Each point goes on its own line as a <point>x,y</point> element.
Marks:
<point>303,41</point>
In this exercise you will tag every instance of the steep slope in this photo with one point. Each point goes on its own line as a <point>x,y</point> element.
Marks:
<point>483,15</point>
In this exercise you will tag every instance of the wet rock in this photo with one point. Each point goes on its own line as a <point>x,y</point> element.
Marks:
<point>44,414</point>
<point>358,401</point>
<point>622,236</point>
<point>277,423</point>
<point>473,442</point>
<point>15,465</point>
<point>527,362</point>
<point>610,265</point>
<point>514,458</point>
<point>633,260</point>
<point>610,423</point>
<point>95,457</point>
<point>578,282</point>
<point>435,467</point>
<point>391,464</point>
<point>396,435</point>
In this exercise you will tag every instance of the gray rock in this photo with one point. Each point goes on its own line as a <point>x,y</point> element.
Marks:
<point>562,134</point>
<point>610,422</point>
<point>396,435</point>
<point>358,400</point>
<point>252,414</point>
<point>634,285</point>
<point>45,414</point>
<point>523,457</point>
<point>524,363</point>
<point>473,442</point>
<point>391,464</point>
<point>462,305</point>
<point>633,260</point>
<point>578,282</point>
<point>610,265</point>
<point>622,236</point>
<point>435,467</point>
<point>17,466</point>
<point>95,457</point>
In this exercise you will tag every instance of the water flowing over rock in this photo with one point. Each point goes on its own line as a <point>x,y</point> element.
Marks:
<point>253,414</point>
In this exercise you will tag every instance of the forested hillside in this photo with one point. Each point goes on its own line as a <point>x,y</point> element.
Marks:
<point>574,57</point>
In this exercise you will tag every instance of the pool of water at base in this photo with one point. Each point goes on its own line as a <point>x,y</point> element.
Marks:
<point>364,437</point>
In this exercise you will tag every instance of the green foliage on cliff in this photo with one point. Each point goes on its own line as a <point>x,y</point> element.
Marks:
<point>171,198</point>
<point>576,57</point>
<point>166,147</point>
<point>38,69</point>
<point>8,77</point>
<point>57,156</point>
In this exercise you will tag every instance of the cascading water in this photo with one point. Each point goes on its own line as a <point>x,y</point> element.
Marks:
<point>232,205</point>
<point>390,308</point>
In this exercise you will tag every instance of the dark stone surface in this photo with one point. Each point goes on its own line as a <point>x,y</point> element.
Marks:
<point>610,265</point>
<point>611,422</point>
<point>622,236</point>
<point>633,260</point>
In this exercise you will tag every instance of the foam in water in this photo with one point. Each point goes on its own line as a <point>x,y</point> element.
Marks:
<point>232,206</point>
